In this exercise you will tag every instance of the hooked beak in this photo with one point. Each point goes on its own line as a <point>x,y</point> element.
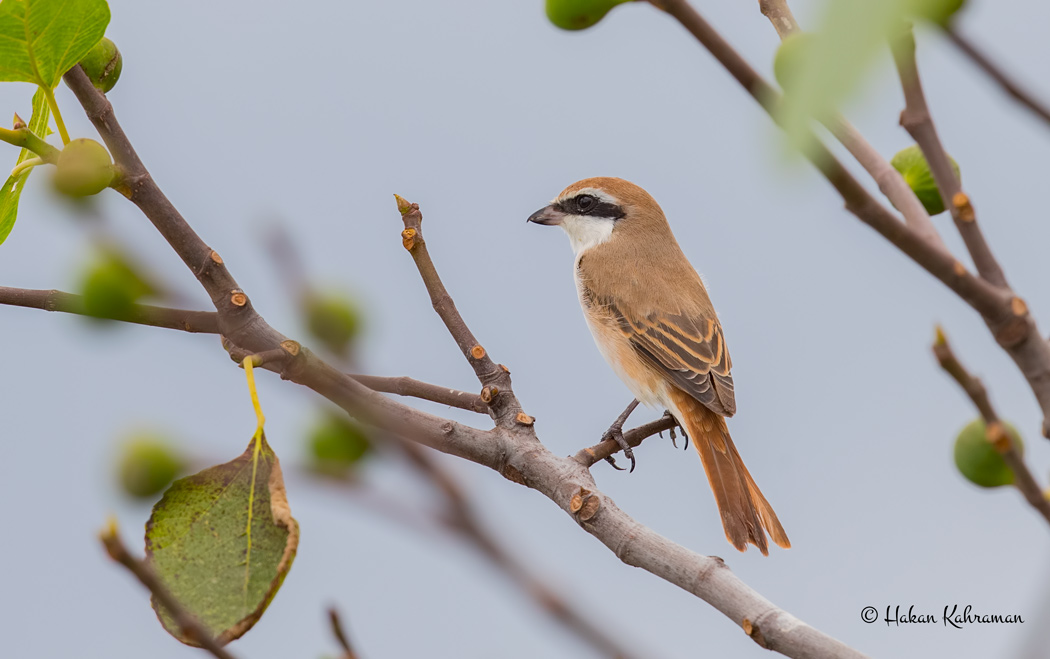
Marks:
<point>547,216</point>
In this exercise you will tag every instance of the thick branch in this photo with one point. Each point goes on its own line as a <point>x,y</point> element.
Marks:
<point>189,626</point>
<point>1005,314</point>
<point>994,429</point>
<point>1004,80</point>
<point>889,180</point>
<point>206,322</point>
<point>917,120</point>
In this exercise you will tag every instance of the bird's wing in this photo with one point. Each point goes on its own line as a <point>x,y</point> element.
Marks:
<point>689,350</point>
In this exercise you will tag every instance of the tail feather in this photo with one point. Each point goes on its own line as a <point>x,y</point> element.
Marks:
<point>746,515</point>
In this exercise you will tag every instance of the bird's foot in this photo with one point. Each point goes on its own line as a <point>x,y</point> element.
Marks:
<point>615,433</point>
<point>667,413</point>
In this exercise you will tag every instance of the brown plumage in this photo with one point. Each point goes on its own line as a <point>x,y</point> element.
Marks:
<point>654,323</point>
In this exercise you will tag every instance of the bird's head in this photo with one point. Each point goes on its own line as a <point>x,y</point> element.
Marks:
<point>596,210</point>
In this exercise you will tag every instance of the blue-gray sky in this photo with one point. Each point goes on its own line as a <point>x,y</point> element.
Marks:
<point>482,112</point>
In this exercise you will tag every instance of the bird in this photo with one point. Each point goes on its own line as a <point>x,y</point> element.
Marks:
<point>654,323</point>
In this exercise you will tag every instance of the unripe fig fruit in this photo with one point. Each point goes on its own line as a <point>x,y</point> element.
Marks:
<point>791,57</point>
<point>579,14</point>
<point>111,287</point>
<point>147,466</point>
<point>103,64</point>
<point>977,458</point>
<point>83,168</point>
<point>916,172</point>
<point>336,443</point>
<point>334,320</point>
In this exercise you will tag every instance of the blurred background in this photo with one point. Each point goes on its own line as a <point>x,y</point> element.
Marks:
<point>261,114</point>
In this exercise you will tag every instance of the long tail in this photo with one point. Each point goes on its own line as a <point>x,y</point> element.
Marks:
<point>746,515</point>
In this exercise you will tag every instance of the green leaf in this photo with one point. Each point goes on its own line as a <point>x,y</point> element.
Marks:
<point>222,541</point>
<point>42,39</point>
<point>12,190</point>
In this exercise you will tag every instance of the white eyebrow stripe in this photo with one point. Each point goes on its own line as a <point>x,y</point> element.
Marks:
<point>601,195</point>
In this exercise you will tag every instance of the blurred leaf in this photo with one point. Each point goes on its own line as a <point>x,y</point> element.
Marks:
<point>42,39</point>
<point>936,11</point>
<point>148,464</point>
<point>978,460</point>
<point>12,189</point>
<point>111,286</point>
<point>334,320</point>
<point>223,541</point>
<point>336,444</point>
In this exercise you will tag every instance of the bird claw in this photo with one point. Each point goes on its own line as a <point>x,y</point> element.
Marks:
<point>616,434</point>
<point>681,429</point>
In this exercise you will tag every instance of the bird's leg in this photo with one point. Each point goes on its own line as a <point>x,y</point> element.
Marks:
<point>615,433</point>
<point>668,414</point>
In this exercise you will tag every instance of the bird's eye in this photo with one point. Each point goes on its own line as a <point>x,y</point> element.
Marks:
<point>585,202</point>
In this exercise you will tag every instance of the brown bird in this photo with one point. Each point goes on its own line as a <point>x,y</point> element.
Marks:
<point>654,323</point>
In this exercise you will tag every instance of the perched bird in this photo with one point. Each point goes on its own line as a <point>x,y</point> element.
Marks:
<point>654,323</point>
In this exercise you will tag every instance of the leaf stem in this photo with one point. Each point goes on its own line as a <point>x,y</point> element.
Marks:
<point>249,364</point>
<point>24,165</point>
<point>27,139</point>
<point>53,104</point>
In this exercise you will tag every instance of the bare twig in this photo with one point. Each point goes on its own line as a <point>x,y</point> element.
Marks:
<point>206,322</point>
<point>994,430</point>
<point>406,386</point>
<point>189,625</point>
<point>1005,314</point>
<point>1009,85</point>
<point>340,635</point>
<point>590,456</point>
<point>917,120</point>
<point>512,448</point>
<point>889,180</point>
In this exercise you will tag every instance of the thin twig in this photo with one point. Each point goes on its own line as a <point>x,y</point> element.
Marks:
<point>917,120</point>
<point>889,180</point>
<point>340,635</point>
<point>206,322</point>
<point>996,73</point>
<point>406,386</point>
<point>188,625</point>
<point>503,406</point>
<point>591,455</point>
<point>994,429</point>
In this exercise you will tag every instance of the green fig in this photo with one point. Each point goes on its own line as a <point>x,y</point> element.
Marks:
<point>103,64</point>
<point>111,286</point>
<point>579,14</point>
<point>147,465</point>
<point>916,172</point>
<point>790,58</point>
<point>334,320</point>
<point>84,168</point>
<point>977,458</point>
<point>336,443</point>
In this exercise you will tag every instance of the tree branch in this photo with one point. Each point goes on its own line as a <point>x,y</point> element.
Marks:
<point>1009,85</point>
<point>1005,314</point>
<point>205,322</point>
<point>994,430</point>
<point>406,386</point>
<point>917,120</point>
<point>512,448</point>
<point>340,635</point>
<point>189,626</point>
<point>592,455</point>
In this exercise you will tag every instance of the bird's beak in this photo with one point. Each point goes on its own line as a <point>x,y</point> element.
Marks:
<point>548,216</point>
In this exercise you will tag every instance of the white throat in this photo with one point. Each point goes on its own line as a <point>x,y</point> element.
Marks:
<point>587,232</point>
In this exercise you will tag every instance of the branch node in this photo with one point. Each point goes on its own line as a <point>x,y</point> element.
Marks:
<point>512,474</point>
<point>291,347</point>
<point>477,352</point>
<point>1013,332</point>
<point>959,269</point>
<point>1018,306</point>
<point>962,204</point>
<point>238,298</point>
<point>403,205</point>
<point>408,238</point>
<point>215,257</point>
<point>525,419</point>
<point>997,436</point>
<point>576,502</point>
<point>504,369</point>
<point>752,629</point>
<point>488,393</point>
<point>19,123</point>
